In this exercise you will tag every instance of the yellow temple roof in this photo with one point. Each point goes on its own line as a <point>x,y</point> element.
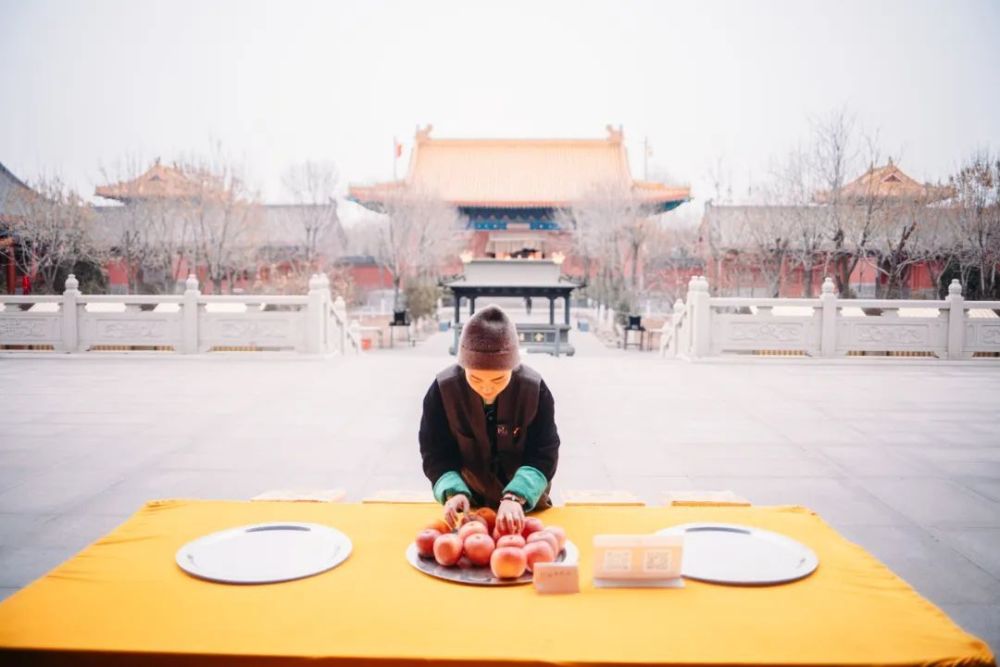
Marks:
<point>518,173</point>
<point>158,182</point>
<point>888,182</point>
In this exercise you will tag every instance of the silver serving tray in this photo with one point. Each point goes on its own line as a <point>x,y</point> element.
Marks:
<point>735,554</point>
<point>265,553</point>
<point>478,575</point>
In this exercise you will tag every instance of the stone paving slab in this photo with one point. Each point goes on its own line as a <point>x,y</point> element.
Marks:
<point>902,457</point>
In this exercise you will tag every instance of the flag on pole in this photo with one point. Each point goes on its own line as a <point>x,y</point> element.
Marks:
<point>397,151</point>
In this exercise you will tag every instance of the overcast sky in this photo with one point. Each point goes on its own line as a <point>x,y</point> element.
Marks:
<point>85,84</point>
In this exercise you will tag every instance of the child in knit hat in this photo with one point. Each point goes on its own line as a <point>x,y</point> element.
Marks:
<point>488,436</point>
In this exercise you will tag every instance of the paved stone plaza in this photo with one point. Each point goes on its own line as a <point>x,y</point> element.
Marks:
<point>901,456</point>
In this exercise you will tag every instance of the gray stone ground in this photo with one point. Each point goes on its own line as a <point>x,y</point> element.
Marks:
<point>902,457</point>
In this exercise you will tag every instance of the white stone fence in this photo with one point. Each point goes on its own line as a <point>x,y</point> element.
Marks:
<point>188,323</point>
<point>709,326</point>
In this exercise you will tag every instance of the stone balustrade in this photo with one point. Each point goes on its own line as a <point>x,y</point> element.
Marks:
<point>188,323</point>
<point>953,328</point>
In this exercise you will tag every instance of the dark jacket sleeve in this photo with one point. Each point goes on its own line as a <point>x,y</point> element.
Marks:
<point>438,447</point>
<point>541,450</point>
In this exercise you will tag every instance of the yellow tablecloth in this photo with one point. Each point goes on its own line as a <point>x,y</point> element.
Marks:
<point>124,600</point>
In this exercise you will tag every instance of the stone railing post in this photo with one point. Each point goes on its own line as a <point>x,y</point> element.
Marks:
<point>688,346</point>
<point>956,321</point>
<point>316,313</point>
<point>70,315</point>
<point>189,316</point>
<point>355,329</point>
<point>701,312</point>
<point>327,343</point>
<point>828,320</point>
<point>340,308</point>
<point>675,317</point>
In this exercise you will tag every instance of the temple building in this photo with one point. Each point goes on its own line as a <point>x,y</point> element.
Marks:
<point>270,242</point>
<point>756,250</point>
<point>13,257</point>
<point>510,191</point>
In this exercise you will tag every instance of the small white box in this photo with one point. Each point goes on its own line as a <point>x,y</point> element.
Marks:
<point>554,578</point>
<point>638,561</point>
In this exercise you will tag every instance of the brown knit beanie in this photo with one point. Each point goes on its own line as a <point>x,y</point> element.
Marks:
<point>489,342</point>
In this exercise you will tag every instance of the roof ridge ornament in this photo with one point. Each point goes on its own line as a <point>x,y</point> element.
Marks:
<point>424,133</point>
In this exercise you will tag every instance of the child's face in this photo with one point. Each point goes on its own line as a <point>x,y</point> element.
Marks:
<point>487,384</point>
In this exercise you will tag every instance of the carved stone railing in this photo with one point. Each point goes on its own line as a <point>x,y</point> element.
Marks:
<point>952,328</point>
<point>674,330</point>
<point>187,323</point>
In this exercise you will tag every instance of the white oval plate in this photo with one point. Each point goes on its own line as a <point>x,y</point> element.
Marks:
<point>265,553</point>
<point>733,554</point>
<point>477,575</point>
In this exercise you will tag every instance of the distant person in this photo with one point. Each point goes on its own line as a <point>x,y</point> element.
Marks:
<point>488,436</point>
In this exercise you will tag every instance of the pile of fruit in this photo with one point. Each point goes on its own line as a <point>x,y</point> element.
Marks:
<point>478,542</point>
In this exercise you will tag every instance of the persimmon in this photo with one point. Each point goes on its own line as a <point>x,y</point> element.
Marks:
<point>440,526</point>
<point>490,516</point>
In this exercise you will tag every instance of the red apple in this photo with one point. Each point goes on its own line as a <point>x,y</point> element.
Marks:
<point>471,528</point>
<point>448,549</point>
<point>560,535</point>
<point>531,525</point>
<point>508,562</point>
<point>425,542</point>
<point>538,552</point>
<point>511,541</point>
<point>503,531</point>
<point>547,537</point>
<point>470,517</point>
<point>478,548</point>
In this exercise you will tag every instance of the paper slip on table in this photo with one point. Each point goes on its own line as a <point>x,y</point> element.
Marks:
<point>124,600</point>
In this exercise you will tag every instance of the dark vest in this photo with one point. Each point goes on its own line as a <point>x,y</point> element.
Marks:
<point>517,405</point>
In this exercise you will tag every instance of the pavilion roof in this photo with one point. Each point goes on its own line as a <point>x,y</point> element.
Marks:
<point>158,182</point>
<point>888,182</point>
<point>515,273</point>
<point>517,173</point>
<point>13,194</point>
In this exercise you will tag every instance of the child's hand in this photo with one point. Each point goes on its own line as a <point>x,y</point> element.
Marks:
<point>510,517</point>
<point>457,503</point>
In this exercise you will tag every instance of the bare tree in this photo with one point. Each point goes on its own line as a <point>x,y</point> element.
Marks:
<point>837,152</point>
<point>55,226</point>
<point>313,187</point>
<point>418,231</point>
<point>791,191</point>
<point>895,235</point>
<point>129,235</point>
<point>770,243</point>
<point>937,245</point>
<point>977,217</point>
<point>225,219</point>
<point>610,229</point>
<point>585,239</point>
<point>672,257</point>
<point>150,232</point>
<point>720,176</point>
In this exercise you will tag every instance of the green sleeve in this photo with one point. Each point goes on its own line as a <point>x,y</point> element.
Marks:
<point>528,483</point>
<point>450,484</point>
